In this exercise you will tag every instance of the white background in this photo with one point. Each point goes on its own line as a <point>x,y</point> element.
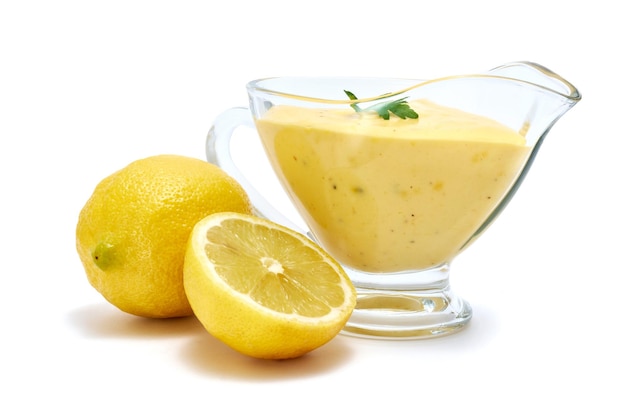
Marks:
<point>88,86</point>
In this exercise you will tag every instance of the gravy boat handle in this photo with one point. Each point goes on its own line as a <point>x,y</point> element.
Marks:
<point>218,152</point>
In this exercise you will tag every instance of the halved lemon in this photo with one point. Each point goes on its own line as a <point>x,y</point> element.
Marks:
<point>263,289</point>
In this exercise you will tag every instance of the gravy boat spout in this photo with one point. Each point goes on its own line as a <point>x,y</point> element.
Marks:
<point>525,96</point>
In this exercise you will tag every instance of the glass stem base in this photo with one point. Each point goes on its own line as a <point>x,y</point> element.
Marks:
<point>406,306</point>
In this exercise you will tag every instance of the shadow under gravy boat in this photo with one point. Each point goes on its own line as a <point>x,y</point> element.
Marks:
<point>405,297</point>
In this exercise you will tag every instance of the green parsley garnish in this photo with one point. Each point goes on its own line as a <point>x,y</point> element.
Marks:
<point>399,107</point>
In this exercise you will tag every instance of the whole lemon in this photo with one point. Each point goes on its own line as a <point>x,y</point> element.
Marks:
<point>132,233</point>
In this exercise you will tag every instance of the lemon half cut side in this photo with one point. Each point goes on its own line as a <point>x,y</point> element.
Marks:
<point>263,289</point>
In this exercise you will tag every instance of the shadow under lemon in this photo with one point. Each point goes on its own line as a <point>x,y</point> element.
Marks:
<point>203,353</point>
<point>207,355</point>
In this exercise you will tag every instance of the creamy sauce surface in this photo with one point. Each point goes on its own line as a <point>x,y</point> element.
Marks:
<point>392,195</point>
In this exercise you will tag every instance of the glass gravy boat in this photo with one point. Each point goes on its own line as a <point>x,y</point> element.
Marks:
<point>392,204</point>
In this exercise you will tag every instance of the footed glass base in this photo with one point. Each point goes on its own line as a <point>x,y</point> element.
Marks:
<point>406,306</point>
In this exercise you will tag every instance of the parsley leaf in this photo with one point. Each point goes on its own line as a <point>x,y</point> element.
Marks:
<point>399,107</point>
